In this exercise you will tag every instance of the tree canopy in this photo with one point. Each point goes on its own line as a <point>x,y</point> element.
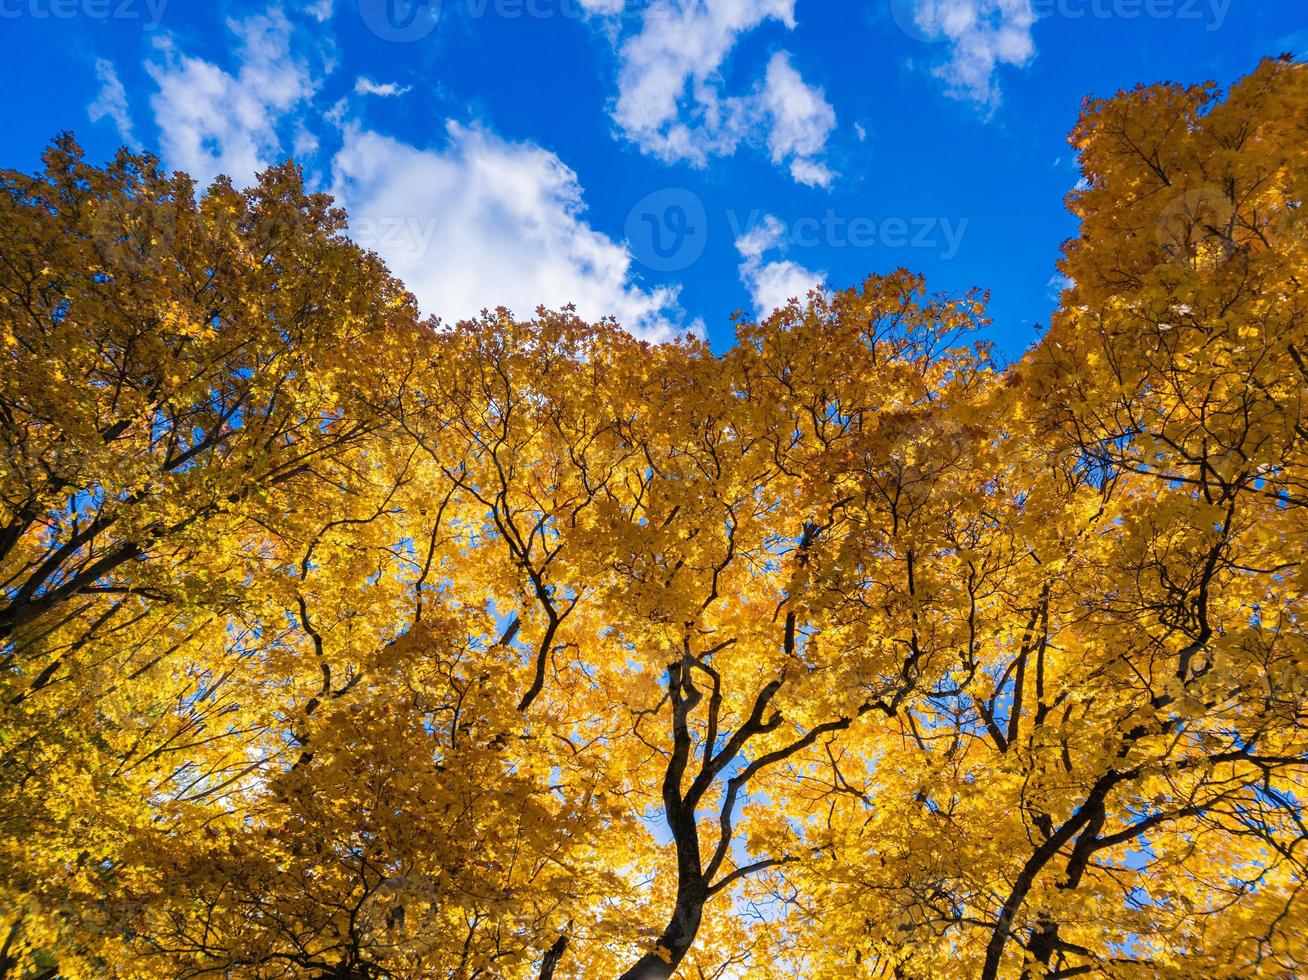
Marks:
<point>337,643</point>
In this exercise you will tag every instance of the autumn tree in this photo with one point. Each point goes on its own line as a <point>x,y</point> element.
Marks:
<point>678,536</point>
<point>340,644</point>
<point>179,379</point>
<point>1111,780</point>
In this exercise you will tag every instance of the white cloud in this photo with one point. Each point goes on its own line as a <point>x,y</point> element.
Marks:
<point>366,86</point>
<point>668,96</point>
<point>485,222</point>
<point>305,142</point>
<point>479,223</point>
<point>321,10</point>
<point>982,35</point>
<point>772,284</point>
<point>671,101</point>
<point>765,235</point>
<point>211,121</point>
<point>112,101</point>
<point>801,122</point>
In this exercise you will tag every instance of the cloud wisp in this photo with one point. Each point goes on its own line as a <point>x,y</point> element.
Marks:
<point>672,102</point>
<point>772,283</point>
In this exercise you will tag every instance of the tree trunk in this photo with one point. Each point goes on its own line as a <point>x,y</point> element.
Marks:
<point>676,940</point>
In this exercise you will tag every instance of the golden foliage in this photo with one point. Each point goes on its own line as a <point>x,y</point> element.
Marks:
<point>338,644</point>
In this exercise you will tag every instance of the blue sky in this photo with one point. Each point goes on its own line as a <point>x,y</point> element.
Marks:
<point>665,161</point>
